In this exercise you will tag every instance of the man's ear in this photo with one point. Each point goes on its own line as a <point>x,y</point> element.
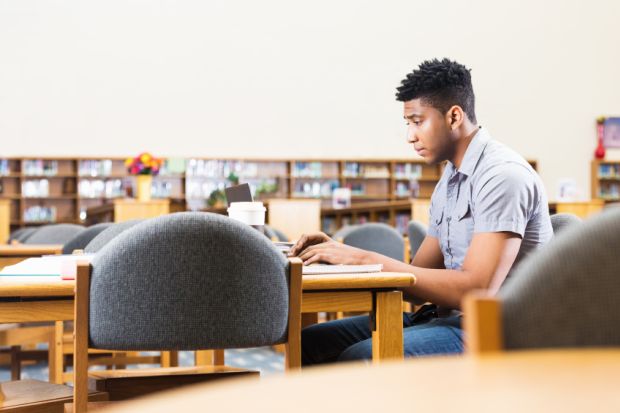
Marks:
<point>455,117</point>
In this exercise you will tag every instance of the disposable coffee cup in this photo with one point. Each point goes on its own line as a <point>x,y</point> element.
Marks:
<point>250,213</point>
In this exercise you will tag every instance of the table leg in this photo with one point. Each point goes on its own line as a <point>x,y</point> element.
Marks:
<point>55,357</point>
<point>387,335</point>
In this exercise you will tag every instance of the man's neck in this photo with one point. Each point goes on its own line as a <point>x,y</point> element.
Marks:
<point>462,144</point>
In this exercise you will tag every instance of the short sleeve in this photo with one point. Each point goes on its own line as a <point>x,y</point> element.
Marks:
<point>503,199</point>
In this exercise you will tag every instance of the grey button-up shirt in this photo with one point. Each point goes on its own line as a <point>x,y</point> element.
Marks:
<point>494,190</point>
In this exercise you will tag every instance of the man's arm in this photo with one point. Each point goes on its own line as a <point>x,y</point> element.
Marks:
<point>488,261</point>
<point>429,254</point>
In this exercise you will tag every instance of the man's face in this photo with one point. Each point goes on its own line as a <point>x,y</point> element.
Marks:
<point>429,131</point>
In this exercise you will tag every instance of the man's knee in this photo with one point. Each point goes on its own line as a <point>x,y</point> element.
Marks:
<point>357,352</point>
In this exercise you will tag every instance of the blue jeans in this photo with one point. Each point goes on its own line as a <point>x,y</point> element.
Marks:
<point>350,339</point>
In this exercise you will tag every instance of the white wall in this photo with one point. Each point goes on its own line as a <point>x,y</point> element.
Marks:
<point>298,79</point>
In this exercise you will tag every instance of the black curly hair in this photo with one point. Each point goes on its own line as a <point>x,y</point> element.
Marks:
<point>440,84</point>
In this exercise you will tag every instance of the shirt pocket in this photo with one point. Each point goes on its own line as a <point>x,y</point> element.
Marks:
<point>463,227</point>
<point>437,221</point>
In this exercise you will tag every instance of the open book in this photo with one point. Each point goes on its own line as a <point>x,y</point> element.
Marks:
<point>341,269</point>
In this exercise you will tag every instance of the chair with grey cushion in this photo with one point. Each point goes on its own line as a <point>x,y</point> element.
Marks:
<point>109,234</point>
<point>343,232</point>
<point>562,221</point>
<point>377,237</point>
<point>564,295</point>
<point>275,234</point>
<point>186,281</point>
<point>416,232</point>
<point>22,234</point>
<point>81,240</point>
<point>54,234</point>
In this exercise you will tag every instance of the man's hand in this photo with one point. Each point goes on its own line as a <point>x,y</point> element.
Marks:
<point>307,240</point>
<point>318,247</point>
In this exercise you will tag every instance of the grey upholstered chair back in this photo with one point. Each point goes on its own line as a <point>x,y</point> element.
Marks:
<point>188,280</point>
<point>377,237</point>
<point>343,232</point>
<point>566,294</point>
<point>274,233</point>
<point>109,234</point>
<point>54,234</point>
<point>416,231</point>
<point>22,234</point>
<point>562,221</point>
<point>82,239</point>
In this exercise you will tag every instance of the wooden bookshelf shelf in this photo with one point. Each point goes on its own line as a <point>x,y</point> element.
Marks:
<point>77,184</point>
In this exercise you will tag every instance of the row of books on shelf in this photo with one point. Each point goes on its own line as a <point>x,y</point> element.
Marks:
<point>326,189</point>
<point>360,170</point>
<point>610,192</point>
<point>5,168</point>
<point>40,214</point>
<point>223,169</point>
<point>609,170</point>
<point>216,168</point>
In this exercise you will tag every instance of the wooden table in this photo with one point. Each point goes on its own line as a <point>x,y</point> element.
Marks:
<point>535,381</point>
<point>376,293</point>
<point>12,254</point>
<point>46,298</point>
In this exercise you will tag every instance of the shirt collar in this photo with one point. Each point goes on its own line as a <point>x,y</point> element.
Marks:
<point>472,154</point>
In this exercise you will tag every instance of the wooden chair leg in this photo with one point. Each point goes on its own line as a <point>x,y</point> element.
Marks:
<point>293,345</point>
<point>80,346</point>
<point>56,357</point>
<point>169,358</point>
<point>209,358</point>
<point>120,356</point>
<point>16,364</point>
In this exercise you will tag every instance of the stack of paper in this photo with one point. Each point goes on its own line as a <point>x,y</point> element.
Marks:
<point>341,269</point>
<point>48,265</point>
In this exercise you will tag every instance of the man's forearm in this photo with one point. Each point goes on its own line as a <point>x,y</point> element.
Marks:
<point>440,286</point>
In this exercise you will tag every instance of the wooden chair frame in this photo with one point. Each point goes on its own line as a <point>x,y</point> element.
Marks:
<point>482,323</point>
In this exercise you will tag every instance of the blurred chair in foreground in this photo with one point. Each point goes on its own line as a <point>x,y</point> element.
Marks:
<point>564,295</point>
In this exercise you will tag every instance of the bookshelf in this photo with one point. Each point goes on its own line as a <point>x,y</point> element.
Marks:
<point>42,190</point>
<point>605,180</point>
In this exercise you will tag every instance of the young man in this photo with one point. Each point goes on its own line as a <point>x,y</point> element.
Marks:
<point>488,211</point>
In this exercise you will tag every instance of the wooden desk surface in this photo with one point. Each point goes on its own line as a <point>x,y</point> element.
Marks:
<point>536,381</point>
<point>41,286</point>
<point>369,280</point>
<point>19,250</point>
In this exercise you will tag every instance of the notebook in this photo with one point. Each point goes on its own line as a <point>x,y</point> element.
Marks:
<point>340,269</point>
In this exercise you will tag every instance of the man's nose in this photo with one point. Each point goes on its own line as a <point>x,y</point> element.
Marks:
<point>411,137</point>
